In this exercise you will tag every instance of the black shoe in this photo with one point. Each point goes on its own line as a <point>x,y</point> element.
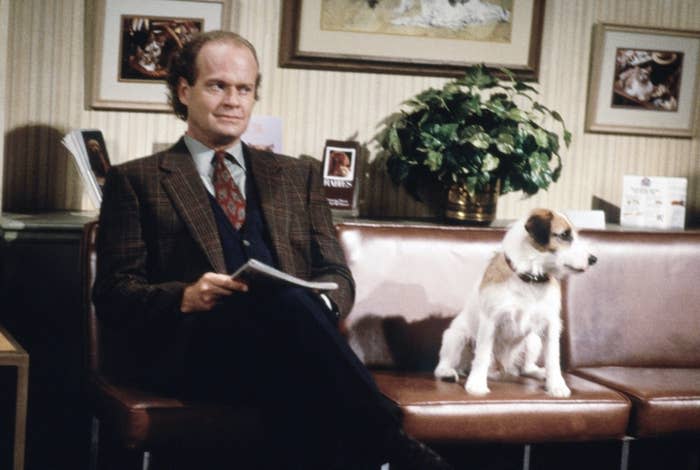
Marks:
<point>406,453</point>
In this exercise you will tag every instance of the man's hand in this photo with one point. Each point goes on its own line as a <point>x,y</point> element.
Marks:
<point>203,295</point>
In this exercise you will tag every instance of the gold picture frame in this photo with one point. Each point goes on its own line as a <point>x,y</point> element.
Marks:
<point>131,41</point>
<point>304,43</point>
<point>643,81</point>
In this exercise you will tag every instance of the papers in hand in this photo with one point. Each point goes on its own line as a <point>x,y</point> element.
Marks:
<point>255,270</point>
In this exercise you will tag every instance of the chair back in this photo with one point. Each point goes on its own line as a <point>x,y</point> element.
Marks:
<point>88,266</point>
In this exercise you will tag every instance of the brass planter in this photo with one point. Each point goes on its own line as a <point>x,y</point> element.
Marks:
<point>479,210</point>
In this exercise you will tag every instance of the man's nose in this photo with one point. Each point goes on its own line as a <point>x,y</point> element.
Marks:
<point>231,96</point>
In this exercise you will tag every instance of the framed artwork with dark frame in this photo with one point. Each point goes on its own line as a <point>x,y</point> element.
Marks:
<point>340,169</point>
<point>643,81</point>
<point>133,41</point>
<point>414,37</point>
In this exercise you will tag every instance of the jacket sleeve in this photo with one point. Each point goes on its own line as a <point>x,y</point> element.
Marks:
<point>327,258</point>
<point>122,292</point>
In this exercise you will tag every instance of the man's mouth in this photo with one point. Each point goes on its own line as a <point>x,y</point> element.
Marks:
<point>227,117</point>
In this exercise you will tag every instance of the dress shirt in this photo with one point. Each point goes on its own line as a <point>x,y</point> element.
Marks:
<point>203,157</point>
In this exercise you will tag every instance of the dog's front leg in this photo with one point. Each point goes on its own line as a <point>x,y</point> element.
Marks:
<point>556,386</point>
<point>477,380</point>
<point>454,340</point>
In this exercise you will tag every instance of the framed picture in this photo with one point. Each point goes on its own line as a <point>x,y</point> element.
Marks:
<point>133,43</point>
<point>643,81</point>
<point>415,37</point>
<point>340,168</point>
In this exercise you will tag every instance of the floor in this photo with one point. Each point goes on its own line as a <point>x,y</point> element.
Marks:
<point>677,454</point>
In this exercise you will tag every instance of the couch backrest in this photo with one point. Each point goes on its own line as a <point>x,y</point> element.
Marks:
<point>639,305</point>
<point>411,280</point>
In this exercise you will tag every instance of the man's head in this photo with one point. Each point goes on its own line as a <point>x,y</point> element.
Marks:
<point>213,84</point>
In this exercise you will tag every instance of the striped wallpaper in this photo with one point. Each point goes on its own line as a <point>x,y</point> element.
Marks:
<point>43,82</point>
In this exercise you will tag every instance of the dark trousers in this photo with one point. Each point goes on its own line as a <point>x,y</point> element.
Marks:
<point>280,349</point>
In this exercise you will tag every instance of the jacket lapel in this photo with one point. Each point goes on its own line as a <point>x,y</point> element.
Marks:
<point>269,179</point>
<point>188,195</point>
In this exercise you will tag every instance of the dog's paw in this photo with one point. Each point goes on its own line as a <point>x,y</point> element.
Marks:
<point>444,372</point>
<point>558,388</point>
<point>534,371</point>
<point>476,387</point>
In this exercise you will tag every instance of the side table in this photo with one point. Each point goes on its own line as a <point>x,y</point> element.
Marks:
<point>12,354</point>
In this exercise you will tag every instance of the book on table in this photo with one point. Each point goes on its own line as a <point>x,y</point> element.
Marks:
<point>256,271</point>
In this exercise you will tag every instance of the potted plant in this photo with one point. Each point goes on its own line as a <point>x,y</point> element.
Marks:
<point>475,138</point>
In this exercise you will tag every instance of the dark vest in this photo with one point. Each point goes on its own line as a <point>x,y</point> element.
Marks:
<point>252,240</point>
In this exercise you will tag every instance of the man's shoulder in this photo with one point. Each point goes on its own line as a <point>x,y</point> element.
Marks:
<point>285,161</point>
<point>150,161</point>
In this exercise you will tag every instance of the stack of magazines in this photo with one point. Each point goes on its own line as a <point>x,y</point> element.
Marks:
<point>90,154</point>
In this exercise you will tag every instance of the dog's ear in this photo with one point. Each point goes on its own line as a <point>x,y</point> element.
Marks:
<point>539,226</point>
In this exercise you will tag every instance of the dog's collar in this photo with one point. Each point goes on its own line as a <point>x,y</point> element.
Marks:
<point>527,277</point>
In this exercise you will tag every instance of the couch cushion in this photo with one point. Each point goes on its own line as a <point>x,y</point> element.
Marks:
<point>664,400</point>
<point>638,306</point>
<point>411,280</point>
<point>142,420</point>
<point>439,411</point>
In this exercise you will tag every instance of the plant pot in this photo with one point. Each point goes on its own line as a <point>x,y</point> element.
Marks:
<point>478,210</point>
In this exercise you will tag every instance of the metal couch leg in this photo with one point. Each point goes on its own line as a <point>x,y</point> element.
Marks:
<point>625,454</point>
<point>526,456</point>
<point>94,442</point>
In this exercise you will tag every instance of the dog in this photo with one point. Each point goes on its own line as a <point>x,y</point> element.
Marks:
<point>501,330</point>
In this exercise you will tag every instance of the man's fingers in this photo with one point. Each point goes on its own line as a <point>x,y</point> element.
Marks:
<point>224,282</point>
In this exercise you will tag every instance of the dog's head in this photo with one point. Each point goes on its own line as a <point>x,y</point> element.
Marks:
<point>551,233</point>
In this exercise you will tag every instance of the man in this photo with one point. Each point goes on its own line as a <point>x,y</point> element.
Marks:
<point>172,228</point>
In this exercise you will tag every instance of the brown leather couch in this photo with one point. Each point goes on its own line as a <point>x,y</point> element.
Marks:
<point>631,340</point>
<point>633,325</point>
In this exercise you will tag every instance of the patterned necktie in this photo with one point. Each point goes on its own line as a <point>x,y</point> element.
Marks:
<point>228,195</point>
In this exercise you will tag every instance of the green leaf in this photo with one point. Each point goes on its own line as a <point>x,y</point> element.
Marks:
<point>567,138</point>
<point>434,160</point>
<point>480,140</point>
<point>394,142</point>
<point>478,77</point>
<point>518,115</point>
<point>522,86</point>
<point>430,141</point>
<point>489,163</point>
<point>505,143</point>
<point>542,138</point>
<point>539,162</point>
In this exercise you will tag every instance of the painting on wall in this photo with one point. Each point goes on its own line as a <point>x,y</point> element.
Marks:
<point>133,42</point>
<point>416,37</point>
<point>643,81</point>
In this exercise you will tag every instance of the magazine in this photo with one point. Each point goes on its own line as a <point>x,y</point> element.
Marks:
<point>90,155</point>
<point>255,270</point>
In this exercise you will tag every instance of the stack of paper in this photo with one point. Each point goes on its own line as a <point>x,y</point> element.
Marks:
<point>90,155</point>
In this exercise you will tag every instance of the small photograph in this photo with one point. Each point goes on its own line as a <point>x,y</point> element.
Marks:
<point>97,154</point>
<point>148,42</point>
<point>647,79</point>
<point>339,163</point>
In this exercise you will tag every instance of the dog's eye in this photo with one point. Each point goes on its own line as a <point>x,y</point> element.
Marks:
<point>565,236</point>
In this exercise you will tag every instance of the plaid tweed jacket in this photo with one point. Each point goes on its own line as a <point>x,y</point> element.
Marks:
<point>157,232</point>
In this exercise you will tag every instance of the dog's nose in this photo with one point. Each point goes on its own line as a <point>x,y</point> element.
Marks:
<point>592,260</point>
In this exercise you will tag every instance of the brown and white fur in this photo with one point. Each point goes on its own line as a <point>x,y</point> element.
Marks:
<point>501,331</point>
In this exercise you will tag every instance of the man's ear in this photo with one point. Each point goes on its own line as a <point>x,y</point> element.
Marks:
<point>183,91</point>
<point>539,226</point>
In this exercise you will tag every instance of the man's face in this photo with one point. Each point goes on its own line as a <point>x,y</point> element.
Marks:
<point>221,100</point>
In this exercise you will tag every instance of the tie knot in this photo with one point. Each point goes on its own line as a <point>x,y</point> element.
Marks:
<point>220,156</point>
